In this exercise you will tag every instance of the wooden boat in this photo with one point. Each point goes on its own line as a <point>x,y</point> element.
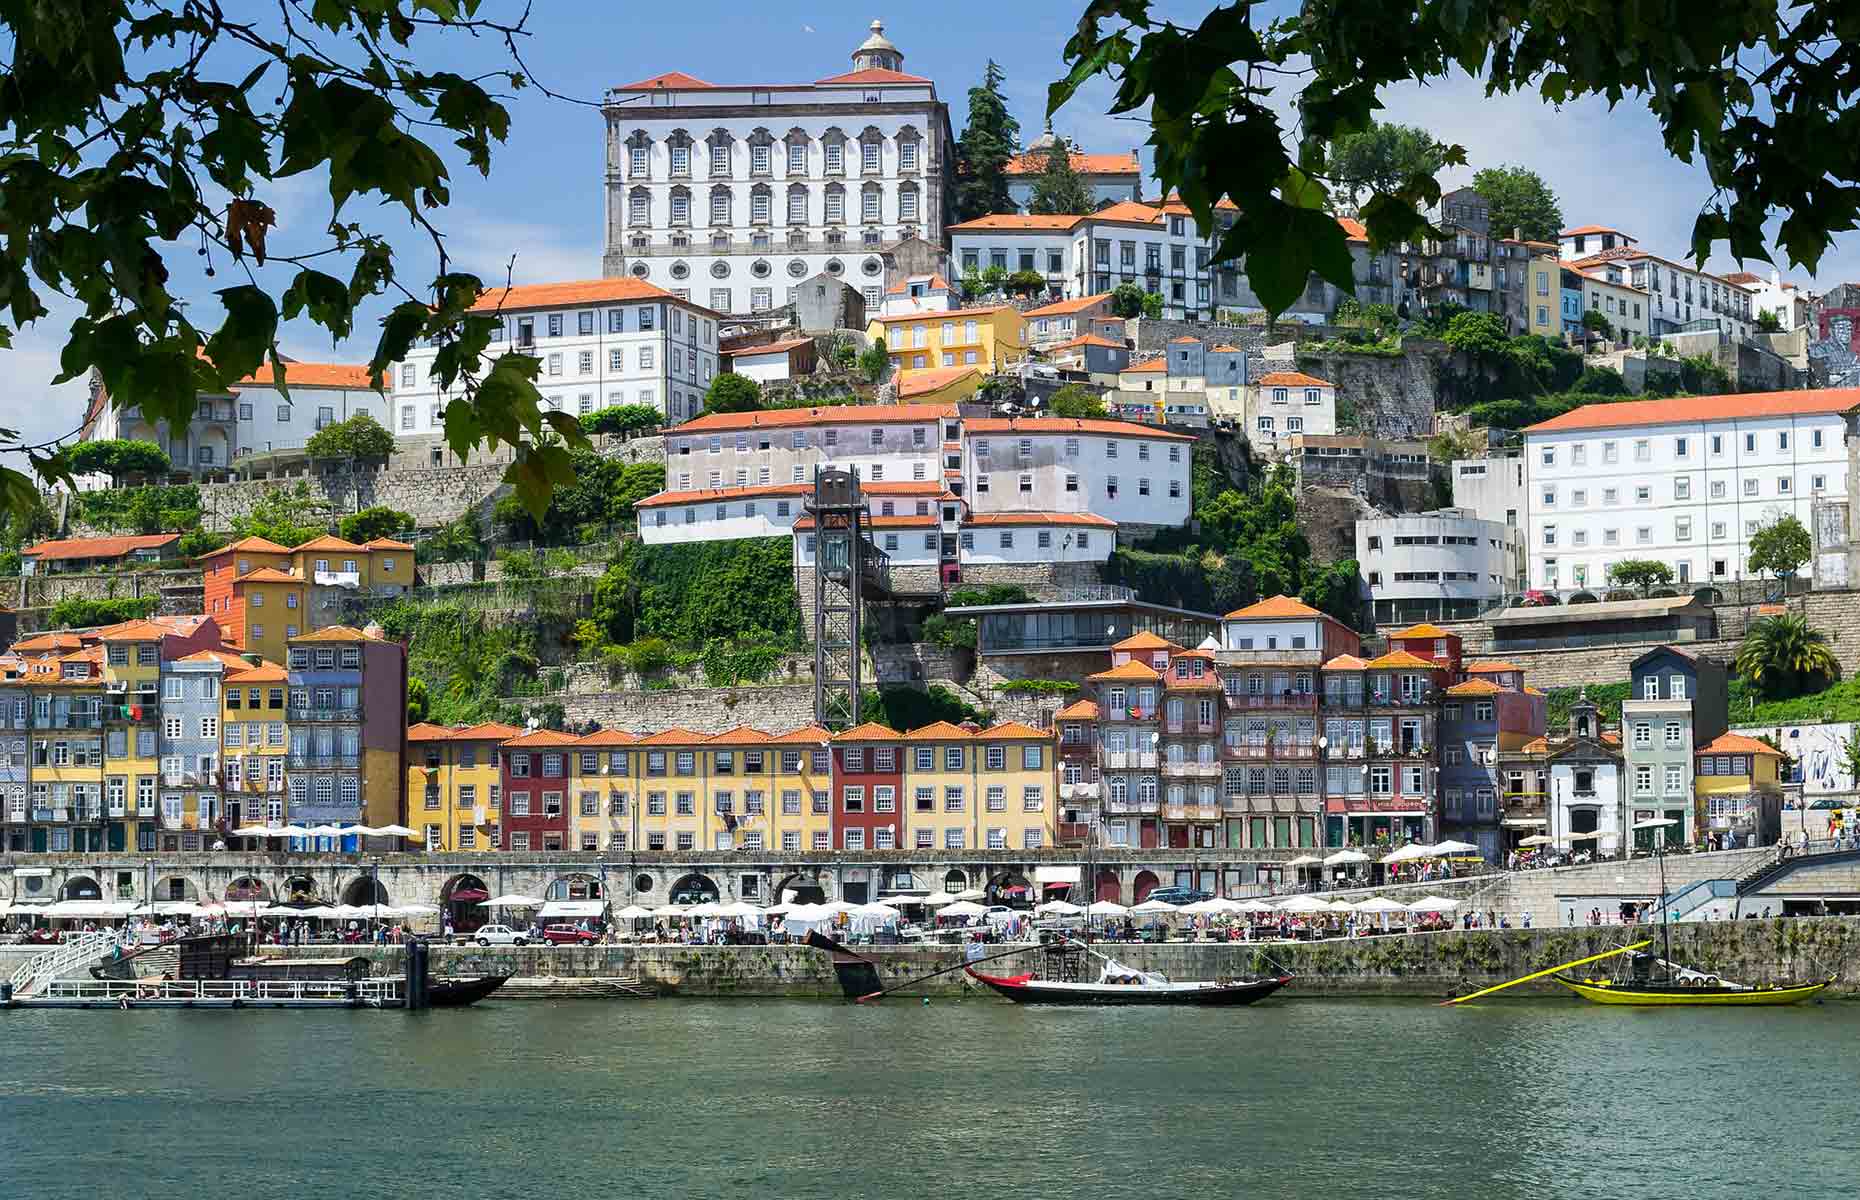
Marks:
<point>457,993</point>
<point>1655,981</point>
<point>1144,988</point>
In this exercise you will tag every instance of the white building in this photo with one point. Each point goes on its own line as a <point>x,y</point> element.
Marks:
<point>732,194</point>
<point>1685,481</point>
<point>1131,474</point>
<point>253,417</point>
<point>1491,489</point>
<point>1678,296</point>
<point>1444,565</point>
<point>602,343</point>
<point>1285,403</point>
<point>1794,306</point>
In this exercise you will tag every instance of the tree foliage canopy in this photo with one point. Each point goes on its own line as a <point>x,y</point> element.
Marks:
<point>1785,656</point>
<point>1518,199</point>
<point>377,522</point>
<point>1643,573</point>
<point>117,457</point>
<point>730,392</point>
<point>1381,158</point>
<point>287,517</point>
<point>361,436</point>
<point>983,151</point>
<point>622,418</point>
<point>1076,400</point>
<point>1059,188</point>
<point>1758,94</point>
<point>138,132</point>
<point>1782,547</point>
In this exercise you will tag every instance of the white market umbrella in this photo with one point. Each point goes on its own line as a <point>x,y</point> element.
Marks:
<point>1434,904</point>
<point>1381,904</point>
<point>1108,908</point>
<point>972,894</point>
<point>883,914</point>
<point>1653,823</point>
<point>965,908</point>
<point>633,912</point>
<point>1342,906</point>
<point>742,910</point>
<point>1305,860</point>
<point>418,910</point>
<point>1203,908</point>
<point>1304,904</point>
<point>398,831</point>
<point>1256,905</point>
<point>511,900</point>
<point>1148,907</point>
<point>782,909</point>
<point>704,908</point>
<point>1447,849</point>
<point>1582,837</point>
<point>1536,839</point>
<point>1059,908</point>
<point>327,830</point>
<point>252,831</point>
<point>672,910</point>
<point>297,831</point>
<point>1408,854</point>
<point>1342,857</point>
<point>938,899</point>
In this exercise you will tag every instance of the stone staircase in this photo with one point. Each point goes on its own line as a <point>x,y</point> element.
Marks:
<point>1549,895</point>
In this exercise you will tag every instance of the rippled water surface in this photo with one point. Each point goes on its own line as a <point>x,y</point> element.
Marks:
<point>1330,1099</point>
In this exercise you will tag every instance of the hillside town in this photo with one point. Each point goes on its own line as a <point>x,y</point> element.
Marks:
<point>1039,539</point>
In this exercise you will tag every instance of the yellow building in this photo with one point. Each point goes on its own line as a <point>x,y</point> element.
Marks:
<point>66,751</point>
<point>992,338</point>
<point>1737,790</point>
<point>993,790</point>
<point>604,807</point>
<point>454,783</point>
<point>674,786</point>
<point>800,790</point>
<point>131,722</point>
<point>254,744</point>
<point>275,605</point>
<point>769,792</point>
<point>939,385</point>
<point>940,812</point>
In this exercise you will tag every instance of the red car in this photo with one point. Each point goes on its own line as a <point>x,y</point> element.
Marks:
<point>568,935</point>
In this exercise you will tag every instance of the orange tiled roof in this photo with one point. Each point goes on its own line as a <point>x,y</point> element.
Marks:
<point>841,414</point>
<point>607,737</point>
<point>133,631</point>
<point>1491,668</point>
<point>382,543</point>
<point>1079,710</point>
<point>1425,629</point>
<point>1131,670</point>
<point>938,731</point>
<point>1129,212</point>
<point>1400,658</point>
<point>225,658</point>
<point>1688,409</point>
<point>874,75</point>
<point>1184,338</point>
<point>1060,308</point>
<point>1015,729</point>
<point>1292,379</point>
<point>674,736</point>
<point>1056,222</point>
<point>1588,229</point>
<point>99,547</point>
<point>268,575</point>
<point>326,542</point>
<point>806,733</point>
<point>1274,606</point>
<point>932,379</point>
<point>780,347</point>
<point>742,733</point>
<point>1531,691</point>
<point>251,545</point>
<point>1345,662</point>
<point>871,731</point>
<point>337,633</point>
<point>542,737</point>
<point>1050,425</point>
<point>1152,366</point>
<point>486,731</point>
<point>1737,743</point>
<point>667,81</point>
<point>584,291</point>
<point>1145,641</point>
<point>1034,161</point>
<point>41,643</point>
<point>1475,687</point>
<point>1042,518</point>
<point>426,731</point>
<point>1088,339</point>
<point>932,282</point>
<point>354,376</point>
<point>265,672</point>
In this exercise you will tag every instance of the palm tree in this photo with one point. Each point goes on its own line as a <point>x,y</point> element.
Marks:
<point>1785,656</point>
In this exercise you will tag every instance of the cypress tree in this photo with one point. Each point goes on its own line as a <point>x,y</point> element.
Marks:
<point>982,154</point>
<point>1060,189</point>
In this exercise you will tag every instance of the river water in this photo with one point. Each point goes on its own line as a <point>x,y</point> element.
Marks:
<point>791,1099</point>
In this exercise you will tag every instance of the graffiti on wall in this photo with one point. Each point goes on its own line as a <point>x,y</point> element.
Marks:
<point>1820,763</point>
<point>1834,358</point>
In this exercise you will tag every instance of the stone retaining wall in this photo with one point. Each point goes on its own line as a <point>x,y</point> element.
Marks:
<point>434,495</point>
<point>1429,965</point>
<point>38,591</point>
<point>701,709</point>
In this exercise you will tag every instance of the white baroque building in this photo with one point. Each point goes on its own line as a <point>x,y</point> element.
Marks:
<point>1685,481</point>
<point>600,343</point>
<point>733,194</point>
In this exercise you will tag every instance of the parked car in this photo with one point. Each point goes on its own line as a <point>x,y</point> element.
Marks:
<point>569,935</point>
<point>498,935</point>
<point>998,914</point>
<point>1178,895</point>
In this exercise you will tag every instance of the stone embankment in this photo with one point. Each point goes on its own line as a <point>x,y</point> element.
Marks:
<point>1431,965</point>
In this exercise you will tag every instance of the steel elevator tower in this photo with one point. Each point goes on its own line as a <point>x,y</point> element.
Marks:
<point>848,569</point>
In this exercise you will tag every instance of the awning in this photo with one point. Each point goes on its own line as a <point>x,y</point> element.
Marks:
<point>1525,822</point>
<point>468,894</point>
<point>574,908</point>
<point>1056,874</point>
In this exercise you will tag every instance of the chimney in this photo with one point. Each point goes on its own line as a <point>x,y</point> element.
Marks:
<point>1517,233</point>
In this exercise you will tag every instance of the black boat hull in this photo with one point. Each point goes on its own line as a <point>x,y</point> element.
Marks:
<point>457,993</point>
<point>1034,991</point>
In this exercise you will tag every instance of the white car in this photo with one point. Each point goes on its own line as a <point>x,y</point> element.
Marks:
<point>998,914</point>
<point>499,935</point>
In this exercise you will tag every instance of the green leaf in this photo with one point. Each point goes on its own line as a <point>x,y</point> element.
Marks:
<point>250,329</point>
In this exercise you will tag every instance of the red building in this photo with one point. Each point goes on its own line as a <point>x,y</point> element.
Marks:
<point>868,781</point>
<point>1433,643</point>
<point>536,786</point>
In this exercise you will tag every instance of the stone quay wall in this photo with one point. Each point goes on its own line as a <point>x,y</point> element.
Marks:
<point>1428,965</point>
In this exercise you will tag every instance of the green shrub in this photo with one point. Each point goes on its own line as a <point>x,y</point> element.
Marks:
<point>159,508</point>
<point>361,436</point>
<point>77,612</point>
<point>1039,687</point>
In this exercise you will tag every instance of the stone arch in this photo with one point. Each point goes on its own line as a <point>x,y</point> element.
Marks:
<point>80,887</point>
<point>1110,887</point>
<point>1583,598</point>
<point>1708,595</point>
<point>694,888</point>
<point>458,902</point>
<point>300,889</point>
<point>171,888</point>
<point>578,885</point>
<point>247,888</point>
<point>365,889</point>
<point>806,888</point>
<point>1145,883</point>
<point>955,880</point>
<point>1008,886</point>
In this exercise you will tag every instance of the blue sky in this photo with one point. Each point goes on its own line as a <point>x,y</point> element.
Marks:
<point>542,202</point>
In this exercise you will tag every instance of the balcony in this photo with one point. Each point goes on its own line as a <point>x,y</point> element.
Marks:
<point>1192,770</point>
<point>1298,701</point>
<point>345,579</point>
<point>325,761</point>
<point>1074,833</point>
<point>1148,808</point>
<point>1192,812</point>
<point>1117,760</point>
<point>1146,760</point>
<point>346,715</point>
<point>1263,751</point>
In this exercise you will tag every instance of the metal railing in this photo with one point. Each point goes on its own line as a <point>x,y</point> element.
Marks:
<point>42,968</point>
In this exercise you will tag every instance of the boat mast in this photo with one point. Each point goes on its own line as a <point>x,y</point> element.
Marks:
<point>1666,940</point>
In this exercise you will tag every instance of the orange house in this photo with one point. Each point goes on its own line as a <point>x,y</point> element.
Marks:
<point>221,568</point>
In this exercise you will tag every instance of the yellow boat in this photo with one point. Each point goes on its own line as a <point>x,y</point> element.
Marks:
<point>1603,991</point>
